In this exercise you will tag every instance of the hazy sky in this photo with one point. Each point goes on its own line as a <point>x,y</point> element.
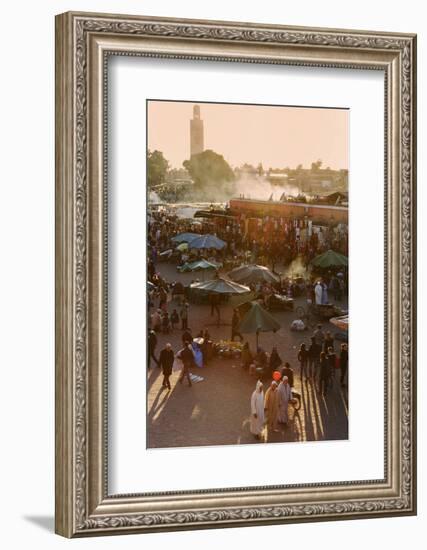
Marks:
<point>276,136</point>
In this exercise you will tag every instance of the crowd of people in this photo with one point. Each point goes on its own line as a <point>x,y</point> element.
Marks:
<point>282,245</point>
<point>269,241</point>
<point>271,408</point>
<point>283,242</point>
<point>277,241</point>
<point>195,352</point>
<point>318,363</point>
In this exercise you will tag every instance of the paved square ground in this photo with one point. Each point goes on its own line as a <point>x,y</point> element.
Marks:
<point>216,411</point>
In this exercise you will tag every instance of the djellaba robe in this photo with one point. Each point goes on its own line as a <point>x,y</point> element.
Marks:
<point>318,292</point>
<point>285,395</point>
<point>257,407</point>
<point>271,404</point>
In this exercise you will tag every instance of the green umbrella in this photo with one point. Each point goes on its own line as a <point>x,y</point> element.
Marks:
<point>197,265</point>
<point>202,264</point>
<point>330,259</point>
<point>220,286</point>
<point>257,319</point>
<point>247,274</point>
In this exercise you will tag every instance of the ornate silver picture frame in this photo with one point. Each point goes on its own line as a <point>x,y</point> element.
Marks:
<point>84,43</point>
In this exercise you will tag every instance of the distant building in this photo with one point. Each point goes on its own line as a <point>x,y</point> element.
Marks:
<point>322,214</point>
<point>319,181</point>
<point>277,178</point>
<point>196,133</point>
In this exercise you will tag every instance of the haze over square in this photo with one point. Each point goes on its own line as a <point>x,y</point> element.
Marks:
<point>276,136</point>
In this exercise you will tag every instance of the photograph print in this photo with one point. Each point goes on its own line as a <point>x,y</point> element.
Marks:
<point>247,273</point>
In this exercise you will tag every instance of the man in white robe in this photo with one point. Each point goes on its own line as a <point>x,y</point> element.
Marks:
<point>257,410</point>
<point>285,395</point>
<point>318,292</point>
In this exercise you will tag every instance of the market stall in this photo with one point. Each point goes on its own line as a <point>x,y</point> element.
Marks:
<point>256,319</point>
<point>253,273</point>
<point>213,290</point>
<point>330,259</point>
<point>207,242</point>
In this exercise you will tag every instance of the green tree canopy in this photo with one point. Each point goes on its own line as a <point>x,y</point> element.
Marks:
<point>315,166</point>
<point>208,168</point>
<point>157,167</point>
<point>178,173</point>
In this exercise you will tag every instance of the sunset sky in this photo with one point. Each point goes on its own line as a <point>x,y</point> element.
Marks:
<point>274,135</point>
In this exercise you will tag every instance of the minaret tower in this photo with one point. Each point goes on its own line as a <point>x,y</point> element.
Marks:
<point>196,133</point>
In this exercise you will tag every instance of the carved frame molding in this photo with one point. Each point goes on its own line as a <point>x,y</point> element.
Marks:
<point>83,44</point>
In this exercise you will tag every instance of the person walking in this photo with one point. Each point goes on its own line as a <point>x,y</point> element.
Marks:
<point>303,360</point>
<point>319,337</point>
<point>285,395</point>
<point>214,302</point>
<point>343,362</point>
<point>334,285</point>
<point>235,320</point>
<point>184,316</point>
<point>187,357</point>
<point>289,372</point>
<point>271,406</point>
<point>328,342</point>
<point>152,344</point>
<point>313,358</point>
<point>324,374</point>
<point>166,359</point>
<point>257,410</point>
<point>318,292</point>
<point>166,323</point>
